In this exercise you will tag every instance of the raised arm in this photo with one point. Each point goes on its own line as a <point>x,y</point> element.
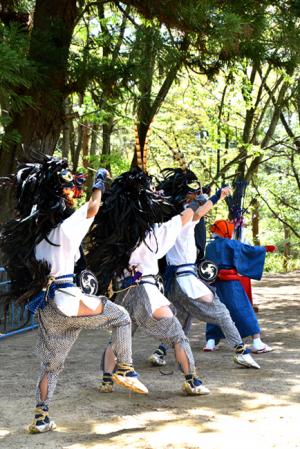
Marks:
<point>97,190</point>
<point>203,209</point>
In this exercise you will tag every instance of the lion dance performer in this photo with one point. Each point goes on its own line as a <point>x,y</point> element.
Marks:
<point>235,259</point>
<point>126,250</point>
<point>41,246</point>
<point>190,295</point>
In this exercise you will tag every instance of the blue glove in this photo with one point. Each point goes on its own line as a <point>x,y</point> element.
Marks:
<point>101,176</point>
<point>215,198</point>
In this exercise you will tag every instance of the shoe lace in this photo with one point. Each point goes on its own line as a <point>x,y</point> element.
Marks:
<point>125,370</point>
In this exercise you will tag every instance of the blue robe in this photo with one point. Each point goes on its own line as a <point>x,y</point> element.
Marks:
<point>248,261</point>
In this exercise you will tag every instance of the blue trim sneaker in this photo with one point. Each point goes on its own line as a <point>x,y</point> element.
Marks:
<point>244,358</point>
<point>193,386</point>
<point>107,385</point>
<point>41,422</point>
<point>158,357</point>
<point>126,377</point>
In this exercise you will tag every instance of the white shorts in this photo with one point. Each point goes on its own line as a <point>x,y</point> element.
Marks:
<point>68,300</point>
<point>192,286</point>
<point>156,298</point>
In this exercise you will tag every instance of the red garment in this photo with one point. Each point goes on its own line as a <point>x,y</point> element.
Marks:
<point>232,275</point>
<point>271,248</point>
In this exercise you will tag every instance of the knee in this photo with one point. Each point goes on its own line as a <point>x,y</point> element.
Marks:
<point>54,366</point>
<point>207,298</point>
<point>124,315</point>
<point>163,312</point>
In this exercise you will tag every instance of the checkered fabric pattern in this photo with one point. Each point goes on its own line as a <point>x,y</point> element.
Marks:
<point>214,312</point>
<point>167,330</point>
<point>58,333</point>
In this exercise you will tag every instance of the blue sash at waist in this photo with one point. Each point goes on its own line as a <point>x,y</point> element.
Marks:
<point>40,300</point>
<point>171,272</point>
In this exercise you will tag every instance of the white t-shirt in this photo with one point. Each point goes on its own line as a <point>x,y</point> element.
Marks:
<point>157,244</point>
<point>185,251</point>
<point>145,257</point>
<point>68,235</point>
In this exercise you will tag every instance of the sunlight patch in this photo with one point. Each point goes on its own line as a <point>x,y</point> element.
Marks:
<point>4,433</point>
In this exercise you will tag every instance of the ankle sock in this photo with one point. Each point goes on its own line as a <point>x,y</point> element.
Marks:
<point>107,379</point>
<point>194,381</point>
<point>257,344</point>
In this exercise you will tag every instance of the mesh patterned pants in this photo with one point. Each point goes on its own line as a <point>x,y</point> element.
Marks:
<point>167,330</point>
<point>58,333</point>
<point>210,312</point>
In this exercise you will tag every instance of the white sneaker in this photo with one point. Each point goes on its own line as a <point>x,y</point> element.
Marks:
<point>157,359</point>
<point>210,345</point>
<point>265,348</point>
<point>194,387</point>
<point>246,360</point>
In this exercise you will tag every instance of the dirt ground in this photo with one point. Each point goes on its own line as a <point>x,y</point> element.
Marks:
<point>246,408</point>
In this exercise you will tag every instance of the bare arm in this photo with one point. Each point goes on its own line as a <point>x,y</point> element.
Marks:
<point>186,216</point>
<point>97,190</point>
<point>94,203</point>
<point>202,210</point>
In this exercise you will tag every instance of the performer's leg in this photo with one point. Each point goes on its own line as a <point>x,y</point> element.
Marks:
<point>116,318</point>
<point>54,344</point>
<point>158,357</point>
<point>215,312</point>
<point>165,326</point>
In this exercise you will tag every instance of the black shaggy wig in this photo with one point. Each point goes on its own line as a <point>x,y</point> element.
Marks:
<point>175,185</point>
<point>129,211</point>
<point>40,207</point>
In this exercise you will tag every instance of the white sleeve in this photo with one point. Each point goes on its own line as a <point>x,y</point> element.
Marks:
<point>164,236</point>
<point>77,225</point>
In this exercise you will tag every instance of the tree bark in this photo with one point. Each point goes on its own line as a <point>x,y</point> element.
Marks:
<point>255,222</point>
<point>39,124</point>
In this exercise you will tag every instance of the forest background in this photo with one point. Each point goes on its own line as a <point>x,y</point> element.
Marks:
<point>217,80</point>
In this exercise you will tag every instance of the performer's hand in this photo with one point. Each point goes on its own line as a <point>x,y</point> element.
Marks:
<point>271,248</point>
<point>225,191</point>
<point>101,175</point>
<point>220,194</point>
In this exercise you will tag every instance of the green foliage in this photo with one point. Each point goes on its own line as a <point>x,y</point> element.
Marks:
<point>16,75</point>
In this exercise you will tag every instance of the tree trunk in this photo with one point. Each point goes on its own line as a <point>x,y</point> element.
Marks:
<point>66,144</point>
<point>86,134</point>
<point>107,129</point>
<point>39,125</point>
<point>255,222</point>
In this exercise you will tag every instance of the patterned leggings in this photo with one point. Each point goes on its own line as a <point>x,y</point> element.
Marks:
<point>167,330</point>
<point>213,312</point>
<point>58,333</point>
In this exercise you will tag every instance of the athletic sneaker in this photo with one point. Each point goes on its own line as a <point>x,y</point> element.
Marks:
<point>194,387</point>
<point>107,385</point>
<point>41,422</point>
<point>210,345</point>
<point>128,378</point>
<point>264,349</point>
<point>157,358</point>
<point>246,360</point>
